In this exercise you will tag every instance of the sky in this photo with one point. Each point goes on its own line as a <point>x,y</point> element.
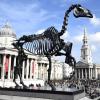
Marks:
<point>34,16</point>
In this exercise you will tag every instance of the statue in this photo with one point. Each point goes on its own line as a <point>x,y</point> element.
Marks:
<point>49,43</point>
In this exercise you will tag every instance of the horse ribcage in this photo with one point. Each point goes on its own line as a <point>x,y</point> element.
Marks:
<point>45,43</point>
<point>40,47</point>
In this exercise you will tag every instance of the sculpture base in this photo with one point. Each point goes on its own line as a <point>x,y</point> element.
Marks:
<point>27,94</point>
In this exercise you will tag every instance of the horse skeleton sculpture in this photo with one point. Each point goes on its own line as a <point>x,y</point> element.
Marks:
<point>49,43</point>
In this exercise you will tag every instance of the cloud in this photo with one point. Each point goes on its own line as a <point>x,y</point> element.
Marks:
<point>95,21</point>
<point>94,44</point>
<point>71,1</point>
<point>95,37</point>
<point>25,18</point>
<point>24,13</point>
<point>63,3</point>
<point>21,12</point>
<point>76,0</point>
<point>93,48</point>
<point>78,38</point>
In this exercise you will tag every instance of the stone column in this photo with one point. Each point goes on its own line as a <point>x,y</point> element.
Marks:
<point>35,72</point>
<point>41,71</point>
<point>38,71</point>
<point>82,73</point>
<point>79,73</point>
<point>9,67</point>
<point>96,73</point>
<point>85,73</point>
<point>76,73</point>
<point>27,69</point>
<point>31,68</point>
<point>91,73</point>
<point>23,69</point>
<point>45,71</point>
<point>3,67</point>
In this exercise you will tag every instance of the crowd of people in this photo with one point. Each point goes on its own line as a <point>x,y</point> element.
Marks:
<point>90,87</point>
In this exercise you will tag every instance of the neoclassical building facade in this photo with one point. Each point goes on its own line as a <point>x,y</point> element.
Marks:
<point>8,56</point>
<point>34,68</point>
<point>85,68</point>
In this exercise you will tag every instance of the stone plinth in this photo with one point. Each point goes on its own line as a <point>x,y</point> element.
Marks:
<point>26,94</point>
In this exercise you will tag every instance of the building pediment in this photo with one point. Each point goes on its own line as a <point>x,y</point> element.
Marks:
<point>82,64</point>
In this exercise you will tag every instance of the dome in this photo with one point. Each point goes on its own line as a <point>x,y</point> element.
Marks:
<point>7,31</point>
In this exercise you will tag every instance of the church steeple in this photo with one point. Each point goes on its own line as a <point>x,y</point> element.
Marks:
<point>85,50</point>
<point>85,39</point>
